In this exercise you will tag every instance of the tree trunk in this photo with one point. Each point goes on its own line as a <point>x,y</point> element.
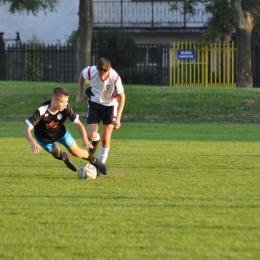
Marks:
<point>84,35</point>
<point>244,25</point>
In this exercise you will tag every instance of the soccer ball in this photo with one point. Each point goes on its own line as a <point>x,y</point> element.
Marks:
<point>87,171</point>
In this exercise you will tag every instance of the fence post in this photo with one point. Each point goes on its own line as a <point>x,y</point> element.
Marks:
<point>2,57</point>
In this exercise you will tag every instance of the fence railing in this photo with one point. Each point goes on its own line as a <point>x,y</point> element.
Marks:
<point>37,62</point>
<point>55,63</point>
<point>155,64</point>
<point>256,62</point>
<point>146,14</point>
<point>201,65</point>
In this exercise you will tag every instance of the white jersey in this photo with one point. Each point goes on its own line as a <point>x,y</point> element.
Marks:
<point>103,92</point>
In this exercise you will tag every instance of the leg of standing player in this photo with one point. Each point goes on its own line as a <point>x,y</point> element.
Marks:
<point>93,136</point>
<point>106,139</point>
<point>108,117</point>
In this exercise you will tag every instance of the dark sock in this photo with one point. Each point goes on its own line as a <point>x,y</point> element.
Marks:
<point>60,157</point>
<point>91,158</point>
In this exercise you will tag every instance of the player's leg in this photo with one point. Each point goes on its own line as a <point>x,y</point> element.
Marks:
<point>94,136</point>
<point>84,154</point>
<point>108,116</point>
<point>106,138</point>
<point>93,119</point>
<point>55,151</point>
<point>69,142</point>
<point>58,154</point>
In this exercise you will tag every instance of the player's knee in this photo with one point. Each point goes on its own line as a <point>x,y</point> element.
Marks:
<point>92,136</point>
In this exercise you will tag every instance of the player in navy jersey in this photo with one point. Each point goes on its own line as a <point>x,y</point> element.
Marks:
<point>49,129</point>
<point>106,100</point>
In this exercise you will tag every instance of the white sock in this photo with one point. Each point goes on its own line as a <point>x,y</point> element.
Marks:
<point>103,154</point>
<point>97,137</point>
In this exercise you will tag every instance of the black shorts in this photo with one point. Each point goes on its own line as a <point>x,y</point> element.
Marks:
<point>98,112</point>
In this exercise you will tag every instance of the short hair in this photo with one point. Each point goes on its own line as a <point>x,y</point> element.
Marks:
<point>60,91</point>
<point>103,64</point>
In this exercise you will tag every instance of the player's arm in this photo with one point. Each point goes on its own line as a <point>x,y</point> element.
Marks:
<point>80,98</point>
<point>83,133</point>
<point>121,101</point>
<point>35,147</point>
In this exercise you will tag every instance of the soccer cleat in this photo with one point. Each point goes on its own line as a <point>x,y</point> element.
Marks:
<point>95,144</point>
<point>69,163</point>
<point>101,167</point>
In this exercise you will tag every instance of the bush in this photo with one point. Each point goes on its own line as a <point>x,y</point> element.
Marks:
<point>137,76</point>
<point>113,44</point>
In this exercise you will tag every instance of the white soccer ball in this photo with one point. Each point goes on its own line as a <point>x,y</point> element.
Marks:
<point>87,171</point>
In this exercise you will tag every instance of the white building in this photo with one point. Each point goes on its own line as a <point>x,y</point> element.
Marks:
<point>148,21</point>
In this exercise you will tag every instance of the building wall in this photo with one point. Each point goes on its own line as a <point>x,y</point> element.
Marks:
<point>58,26</point>
<point>153,38</point>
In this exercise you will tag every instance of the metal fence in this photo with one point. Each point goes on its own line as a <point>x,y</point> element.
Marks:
<point>256,62</point>
<point>147,14</point>
<point>154,64</point>
<point>36,62</point>
<point>203,65</point>
<point>54,63</point>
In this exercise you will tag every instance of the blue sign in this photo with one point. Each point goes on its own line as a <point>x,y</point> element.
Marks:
<point>186,54</point>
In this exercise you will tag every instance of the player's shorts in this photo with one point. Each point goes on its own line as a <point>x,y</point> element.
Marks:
<point>98,112</point>
<point>67,140</point>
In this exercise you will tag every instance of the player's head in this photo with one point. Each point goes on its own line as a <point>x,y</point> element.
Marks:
<point>60,97</point>
<point>103,67</point>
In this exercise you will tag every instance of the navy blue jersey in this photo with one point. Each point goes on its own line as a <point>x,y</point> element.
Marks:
<point>49,127</point>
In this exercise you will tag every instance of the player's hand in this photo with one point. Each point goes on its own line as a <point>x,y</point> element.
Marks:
<point>117,124</point>
<point>80,100</point>
<point>87,143</point>
<point>35,148</point>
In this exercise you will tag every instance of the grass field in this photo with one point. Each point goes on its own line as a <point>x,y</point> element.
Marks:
<point>174,191</point>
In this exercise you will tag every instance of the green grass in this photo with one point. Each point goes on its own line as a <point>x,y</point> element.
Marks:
<point>144,103</point>
<point>174,191</point>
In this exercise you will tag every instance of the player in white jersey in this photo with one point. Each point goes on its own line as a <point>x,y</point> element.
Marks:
<point>106,100</point>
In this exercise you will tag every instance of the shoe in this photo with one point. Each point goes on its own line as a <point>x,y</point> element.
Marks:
<point>69,163</point>
<point>101,167</point>
<point>95,144</point>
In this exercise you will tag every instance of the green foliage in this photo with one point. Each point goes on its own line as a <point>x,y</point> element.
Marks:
<point>36,70</point>
<point>112,45</point>
<point>220,24</point>
<point>33,6</point>
<point>72,40</point>
<point>256,21</point>
<point>138,76</point>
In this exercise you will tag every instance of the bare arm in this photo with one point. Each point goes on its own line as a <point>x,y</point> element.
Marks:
<point>120,109</point>
<point>83,133</point>
<point>80,98</point>
<point>35,147</point>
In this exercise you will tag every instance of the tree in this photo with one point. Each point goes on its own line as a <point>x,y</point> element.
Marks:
<point>228,15</point>
<point>84,34</point>
<point>243,21</point>
<point>33,6</point>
